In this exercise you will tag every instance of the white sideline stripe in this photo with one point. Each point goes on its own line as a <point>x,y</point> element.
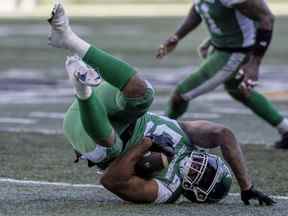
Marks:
<point>11,120</point>
<point>37,183</point>
<point>63,184</point>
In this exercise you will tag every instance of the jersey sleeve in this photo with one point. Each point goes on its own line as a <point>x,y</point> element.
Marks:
<point>163,194</point>
<point>231,3</point>
<point>168,191</point>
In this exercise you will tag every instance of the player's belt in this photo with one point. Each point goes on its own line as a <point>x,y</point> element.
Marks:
<point>127,134</point>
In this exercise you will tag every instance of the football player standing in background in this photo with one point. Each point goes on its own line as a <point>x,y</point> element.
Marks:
<point>240,34</point>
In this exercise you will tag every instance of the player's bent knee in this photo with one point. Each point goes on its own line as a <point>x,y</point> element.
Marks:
<point>178,99</point>
<point>237,93</point>
<point>136,87</point>
<point>142,102</point>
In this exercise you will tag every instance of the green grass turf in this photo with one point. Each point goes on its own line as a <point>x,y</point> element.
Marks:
<point>50,158</point>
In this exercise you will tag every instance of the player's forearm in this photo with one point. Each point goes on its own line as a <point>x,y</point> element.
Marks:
<point>135,154</point>
<point>189,24</point>
<point>123,168</point>
<point>120,177</point>
<point>232,153</point>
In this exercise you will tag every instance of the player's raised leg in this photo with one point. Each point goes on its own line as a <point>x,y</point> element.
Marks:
<point>111,69</point>
<point>213,71</point>
<point>92,111</point>
<point>136,94</point>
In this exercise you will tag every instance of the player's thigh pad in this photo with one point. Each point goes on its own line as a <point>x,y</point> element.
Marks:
<point>214,71</point>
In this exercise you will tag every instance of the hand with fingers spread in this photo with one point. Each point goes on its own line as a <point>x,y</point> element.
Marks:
<point>252,193</point>
<point>249,73</point>
<point>167,47</point>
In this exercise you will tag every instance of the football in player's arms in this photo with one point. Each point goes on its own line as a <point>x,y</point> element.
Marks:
<point>152,163</point>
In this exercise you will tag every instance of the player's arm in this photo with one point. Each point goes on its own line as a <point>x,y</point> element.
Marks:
<point>121,180</point>
<point>259,11</point>
<point>211,135</point>
<point>192,20</point>
<point>206,134</point>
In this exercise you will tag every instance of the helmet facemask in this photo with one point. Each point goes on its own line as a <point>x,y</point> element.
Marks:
<point>200,176</point>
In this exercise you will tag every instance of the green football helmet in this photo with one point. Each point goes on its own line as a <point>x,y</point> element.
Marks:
<point>206,178</point>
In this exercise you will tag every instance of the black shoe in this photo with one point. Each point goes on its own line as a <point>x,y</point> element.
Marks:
<point>283,143</point>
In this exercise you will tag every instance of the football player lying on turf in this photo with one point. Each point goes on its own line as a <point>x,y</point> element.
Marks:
<point>114,115</point>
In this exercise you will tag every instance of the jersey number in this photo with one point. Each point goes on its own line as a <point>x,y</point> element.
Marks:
<point>161,129</point>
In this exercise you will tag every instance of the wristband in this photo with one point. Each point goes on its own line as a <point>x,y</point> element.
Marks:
<point>263,39</point>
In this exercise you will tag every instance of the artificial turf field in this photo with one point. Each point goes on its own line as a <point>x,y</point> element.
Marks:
<point>47,158</point>
<point>35,94</point>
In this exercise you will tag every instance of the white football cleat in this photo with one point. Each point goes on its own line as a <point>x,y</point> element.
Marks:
<point>60,29</point>
<point>81,72</point>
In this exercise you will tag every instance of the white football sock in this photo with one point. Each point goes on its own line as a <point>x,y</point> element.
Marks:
<point>76,44</point>
<point>283,126</point>
<point>62,36</point>
<point>82,91</point>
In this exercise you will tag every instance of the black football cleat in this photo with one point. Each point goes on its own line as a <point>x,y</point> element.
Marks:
<point>283,143</point>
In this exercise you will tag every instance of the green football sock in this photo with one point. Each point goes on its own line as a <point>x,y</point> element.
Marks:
<point>260,106</point>
<point>94,118</point>
<point>111,69</point>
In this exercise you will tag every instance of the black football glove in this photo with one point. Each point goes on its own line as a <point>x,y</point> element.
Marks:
<point>257,195</point>
<point>162,143</point>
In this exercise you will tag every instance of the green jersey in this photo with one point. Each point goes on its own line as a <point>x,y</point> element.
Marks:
<point>228,27</point>
<point>169,179</point>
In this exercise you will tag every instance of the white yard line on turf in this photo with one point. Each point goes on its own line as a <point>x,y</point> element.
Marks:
<point>45,183</point>
<point>64,184</point>
<point>9,120</point>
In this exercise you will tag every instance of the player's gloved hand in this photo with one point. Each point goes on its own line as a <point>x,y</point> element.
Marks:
<point>162,143</point>
<point>168,46</point>
<point>257,195</point>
